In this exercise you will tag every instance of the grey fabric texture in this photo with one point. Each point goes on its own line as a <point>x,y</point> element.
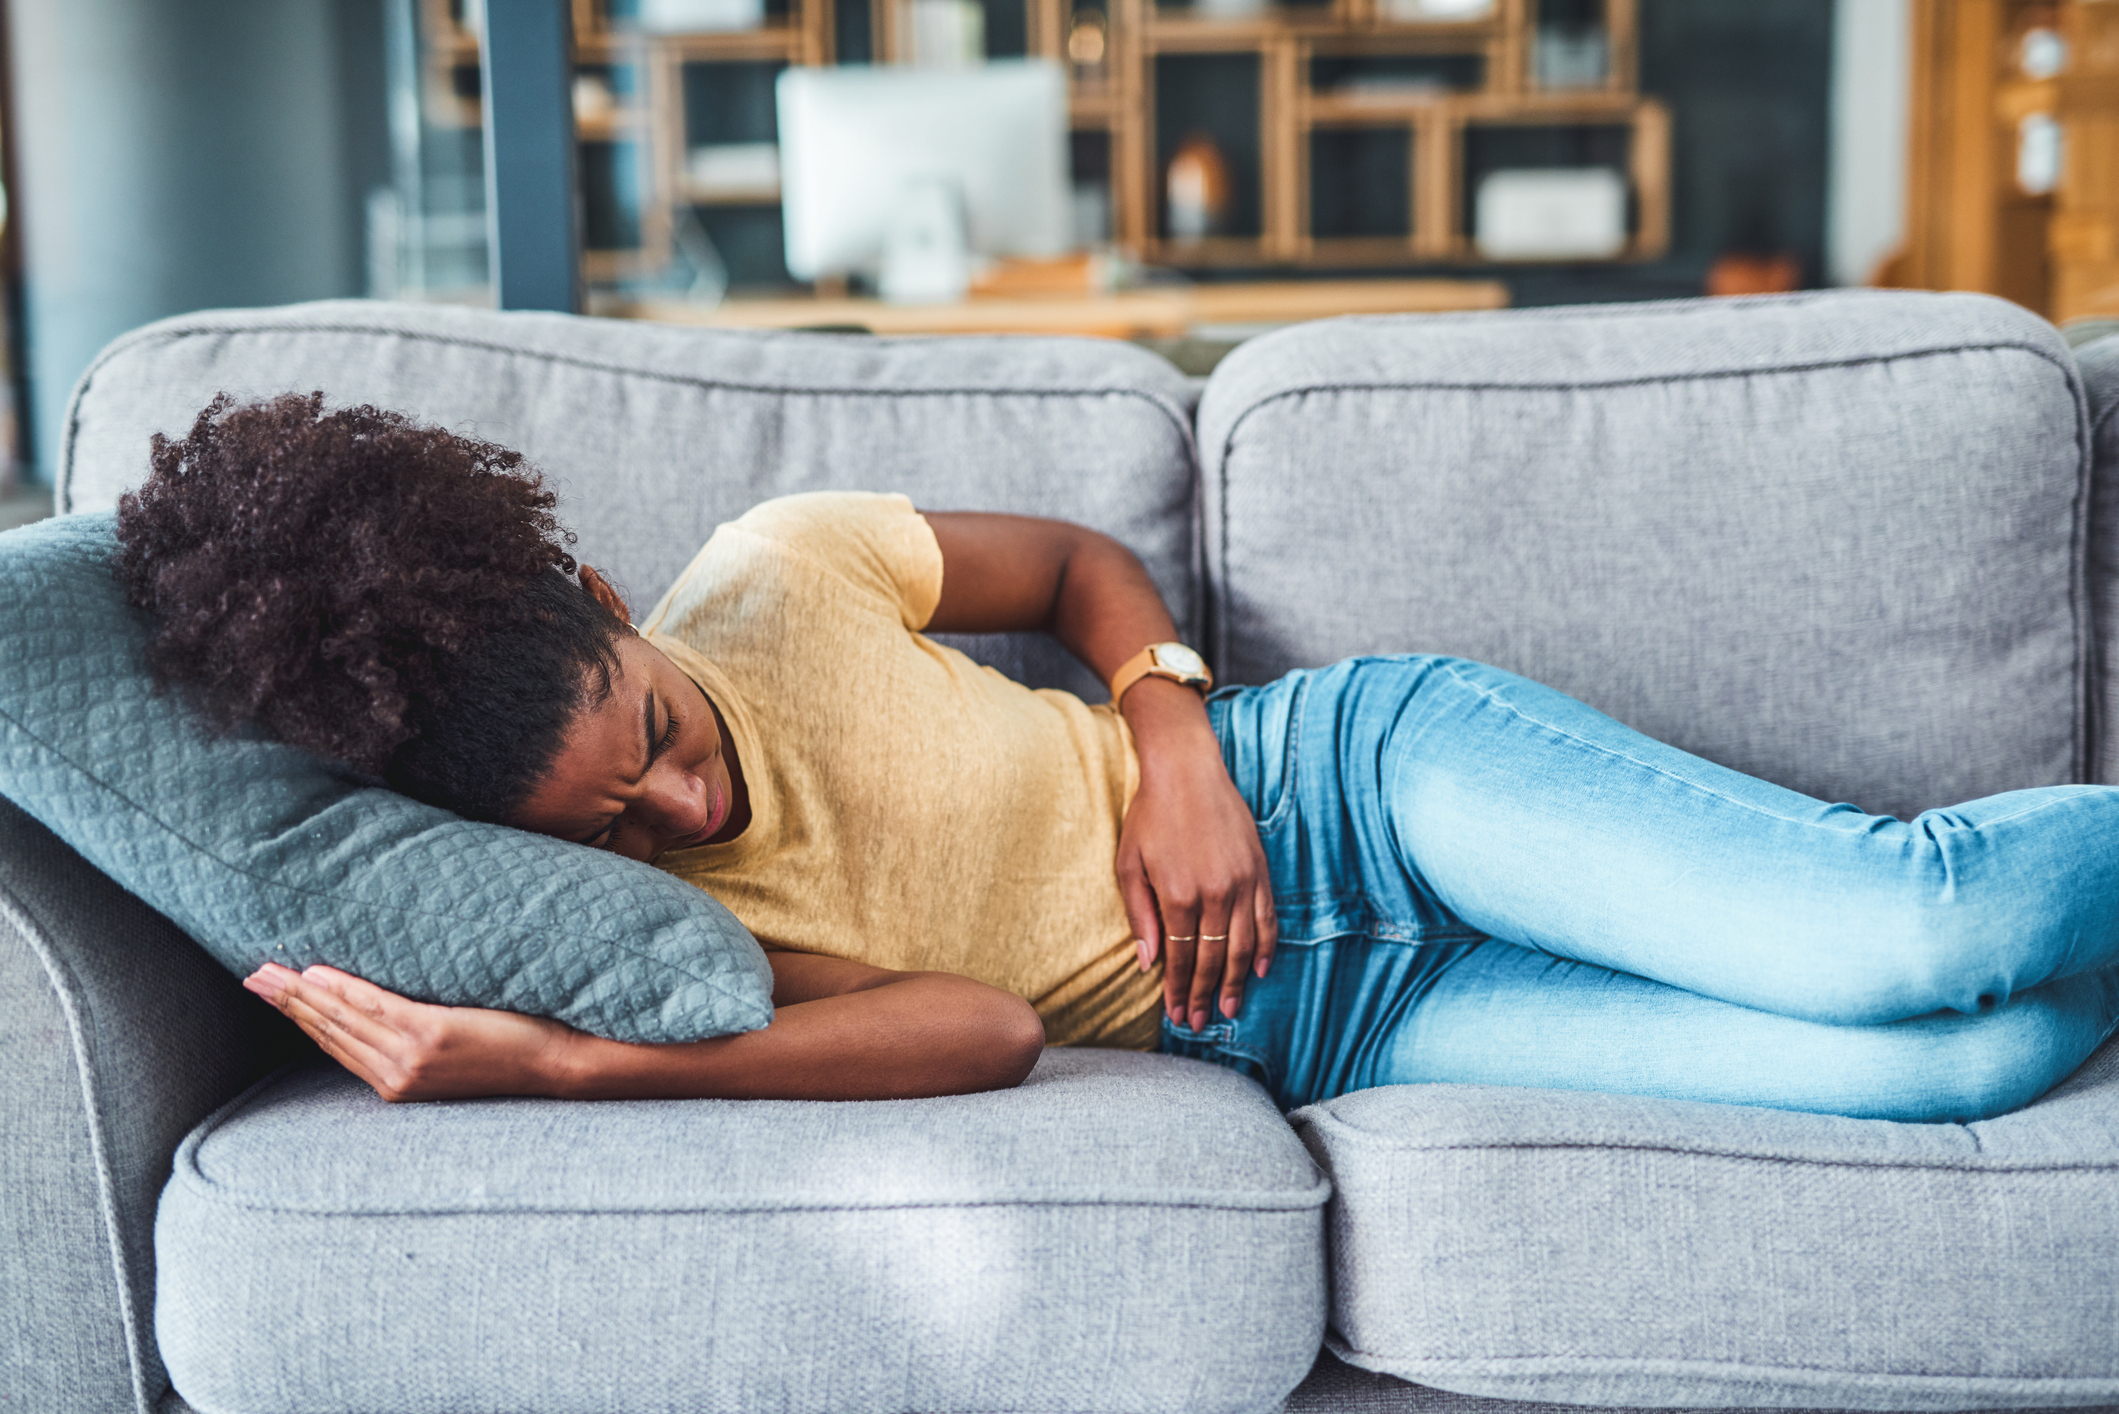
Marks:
<point>1335,1387</point>
<point>974,1253</point>
<point>2099,364</point>
<point>1599,1249</point>
<point>262,852</point>
<point>654,435</point>
<point>1831,540</point>
<point>117,1035</point>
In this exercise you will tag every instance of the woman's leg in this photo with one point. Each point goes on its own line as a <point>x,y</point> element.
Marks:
<point>1540,821</point>
<point>1503,1015</point>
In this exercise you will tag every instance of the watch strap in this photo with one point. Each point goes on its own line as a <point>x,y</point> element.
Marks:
<point>1145,664</point>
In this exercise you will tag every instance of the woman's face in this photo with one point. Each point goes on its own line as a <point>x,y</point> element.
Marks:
<point>643,771</point>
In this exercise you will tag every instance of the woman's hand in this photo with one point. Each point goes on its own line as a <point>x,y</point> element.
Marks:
<point>1190,866</point>
<point>411,1050</point>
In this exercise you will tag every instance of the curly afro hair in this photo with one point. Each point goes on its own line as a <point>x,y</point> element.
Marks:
<point>373,590</point>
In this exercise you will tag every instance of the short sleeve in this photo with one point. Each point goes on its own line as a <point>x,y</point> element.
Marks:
<point>877,543</point>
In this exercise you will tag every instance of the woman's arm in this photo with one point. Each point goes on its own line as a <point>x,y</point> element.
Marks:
<point>1190,865</point>
<point>840,1031</point>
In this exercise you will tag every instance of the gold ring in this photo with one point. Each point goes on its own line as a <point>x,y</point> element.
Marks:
<point>1214,937</point>
<point>1187,938</point>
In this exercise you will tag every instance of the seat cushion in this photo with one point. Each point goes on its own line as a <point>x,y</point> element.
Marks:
<point>1122,1233</point>
<point>1833,540</point>
<point>654,435</point>
<point>1598,1249</point>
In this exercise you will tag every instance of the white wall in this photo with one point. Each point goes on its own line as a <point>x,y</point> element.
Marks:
<point>1865,198</point>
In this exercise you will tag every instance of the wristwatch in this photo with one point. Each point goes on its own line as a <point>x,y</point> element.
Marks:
<point>1164,660</point>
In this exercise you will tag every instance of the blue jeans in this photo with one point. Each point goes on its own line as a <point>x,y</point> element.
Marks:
<point>1482,880</point>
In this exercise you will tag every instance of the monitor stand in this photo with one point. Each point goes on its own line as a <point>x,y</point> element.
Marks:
<point>926,255</point>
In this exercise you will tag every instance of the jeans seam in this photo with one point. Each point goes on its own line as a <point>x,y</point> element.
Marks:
<point>1604,750</point>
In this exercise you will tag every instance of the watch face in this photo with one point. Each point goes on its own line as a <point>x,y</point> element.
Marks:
<point>1180,658</point>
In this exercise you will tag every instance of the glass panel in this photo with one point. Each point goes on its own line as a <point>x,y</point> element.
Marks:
<point>426,231</point>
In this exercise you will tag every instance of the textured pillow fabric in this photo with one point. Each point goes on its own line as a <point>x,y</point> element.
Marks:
<point>262,852</point>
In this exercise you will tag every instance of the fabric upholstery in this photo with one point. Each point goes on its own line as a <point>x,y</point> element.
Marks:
<point>655,435</point>
<point>1829,540</point>
<point>1335,1387</point>
<point>117,1034</point>
<point>2099,363</point>
<point>975,1253</point>
<point>1600,1249</point>
<point>262,852</point>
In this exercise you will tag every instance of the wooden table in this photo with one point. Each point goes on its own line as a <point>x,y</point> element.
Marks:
<point>1158,313</point>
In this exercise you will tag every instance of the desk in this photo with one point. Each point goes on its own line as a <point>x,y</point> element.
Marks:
<point>1158,313</point>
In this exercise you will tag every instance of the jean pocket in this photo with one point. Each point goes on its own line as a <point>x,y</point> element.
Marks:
<point>1217,1045</point>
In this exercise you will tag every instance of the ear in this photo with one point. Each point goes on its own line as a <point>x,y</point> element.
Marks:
<point>600,590</point>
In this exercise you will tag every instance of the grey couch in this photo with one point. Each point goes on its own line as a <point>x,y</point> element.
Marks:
<point>1861,544</point>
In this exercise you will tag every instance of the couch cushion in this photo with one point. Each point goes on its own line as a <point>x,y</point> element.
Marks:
<point>1831,540</point>
<point>654,435</point>
<point>1124,1232</point>
<point>264,853</point>
<point>1600,1249</point>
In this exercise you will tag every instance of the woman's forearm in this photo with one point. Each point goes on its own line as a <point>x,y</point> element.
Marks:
<point>924,1033</point>
<point>840,1031</point>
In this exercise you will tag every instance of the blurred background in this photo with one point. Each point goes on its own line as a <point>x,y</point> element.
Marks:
<point>1183,173</point>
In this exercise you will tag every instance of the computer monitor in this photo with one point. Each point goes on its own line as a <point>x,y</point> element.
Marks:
<point>870,156</point>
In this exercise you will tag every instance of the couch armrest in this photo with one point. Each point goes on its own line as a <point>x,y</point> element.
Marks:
<point>117,1035</point>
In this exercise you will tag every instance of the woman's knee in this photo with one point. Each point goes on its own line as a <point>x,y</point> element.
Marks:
<point>1919,955</point>
<point>1957,1069</point>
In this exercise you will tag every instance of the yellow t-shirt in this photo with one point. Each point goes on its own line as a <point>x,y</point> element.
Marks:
<point>909,808</point>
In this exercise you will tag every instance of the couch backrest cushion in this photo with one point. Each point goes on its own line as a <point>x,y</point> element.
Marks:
<point>654,435</point>
<point>1832,540</point>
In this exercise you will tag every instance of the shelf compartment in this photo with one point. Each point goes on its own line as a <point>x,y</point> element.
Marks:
<point>1217,95</point>
<point>1418,76</point>
<point>1497,146</point>
<point>1360,185</point>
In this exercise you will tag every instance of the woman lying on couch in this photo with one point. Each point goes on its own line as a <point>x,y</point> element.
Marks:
<point>1390,870</point>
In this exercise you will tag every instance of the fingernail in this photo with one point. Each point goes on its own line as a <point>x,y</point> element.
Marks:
<point>1199,1018</point>
<point>1229,1006</point>
<point>1140,946</point>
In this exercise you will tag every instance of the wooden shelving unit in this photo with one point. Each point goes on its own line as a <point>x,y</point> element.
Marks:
<point>1335,99</point>
<point>1977,82</point>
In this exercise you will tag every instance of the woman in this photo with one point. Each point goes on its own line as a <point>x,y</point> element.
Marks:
<point>1402,869</point>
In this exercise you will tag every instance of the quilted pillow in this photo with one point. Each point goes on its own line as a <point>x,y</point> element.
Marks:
<point>263,852</point>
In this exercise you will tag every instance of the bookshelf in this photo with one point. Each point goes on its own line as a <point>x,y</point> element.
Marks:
<point>1355,131</point>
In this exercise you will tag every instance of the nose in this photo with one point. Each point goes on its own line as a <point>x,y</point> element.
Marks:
<point>676,802</point>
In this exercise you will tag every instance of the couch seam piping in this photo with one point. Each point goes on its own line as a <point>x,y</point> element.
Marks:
<point>1375,1141</point>
<point>1584,385</point>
